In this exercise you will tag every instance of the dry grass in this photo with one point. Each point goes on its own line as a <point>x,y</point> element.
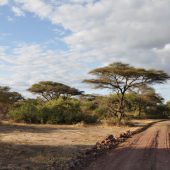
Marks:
<point>44,146</point>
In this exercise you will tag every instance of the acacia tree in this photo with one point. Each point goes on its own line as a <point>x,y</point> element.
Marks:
<point>143,98</point>
<point>8,98</point>
<point>121,78</point>
<point>50,90</point>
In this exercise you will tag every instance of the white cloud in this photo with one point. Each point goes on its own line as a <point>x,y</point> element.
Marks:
<point>163,55</point>
<point>130,24</point>
<point>31,63</point>
<point>17,11</point>
<point>38,7</point>
<point>3,2</point>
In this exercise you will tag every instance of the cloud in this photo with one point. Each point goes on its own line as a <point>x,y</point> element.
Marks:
<point>31,63</point>
<point>118,24</point>
<point>163,55</point>
<point>38,7</point>
<point>3,2</point>
<point>17,11</point>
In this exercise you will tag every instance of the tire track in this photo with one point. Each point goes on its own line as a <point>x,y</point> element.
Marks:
<point>148,150</point>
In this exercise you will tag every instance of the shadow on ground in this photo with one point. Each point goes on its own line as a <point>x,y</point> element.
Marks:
<point>9,128</point>
<point>32,157</point>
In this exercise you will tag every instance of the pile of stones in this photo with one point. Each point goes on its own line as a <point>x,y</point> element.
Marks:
<point>107,143</point>
<point>91,154</point>
<point>124,136</point>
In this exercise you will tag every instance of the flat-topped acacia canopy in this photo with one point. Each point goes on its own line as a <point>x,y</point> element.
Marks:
<point>120,78</point>
<point>51,90</point>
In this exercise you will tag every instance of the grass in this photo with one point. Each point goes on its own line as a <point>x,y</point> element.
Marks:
<point>46,146</point>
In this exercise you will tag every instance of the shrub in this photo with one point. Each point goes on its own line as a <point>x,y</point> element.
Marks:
<point>62,111</point>
<point>90,118</point>
<point>58,111</point>
<point>26,112</point>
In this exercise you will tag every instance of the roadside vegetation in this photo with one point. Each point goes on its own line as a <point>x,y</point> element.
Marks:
<point>131,96</point>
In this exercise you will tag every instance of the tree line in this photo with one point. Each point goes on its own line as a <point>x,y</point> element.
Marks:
<point>131,94</point>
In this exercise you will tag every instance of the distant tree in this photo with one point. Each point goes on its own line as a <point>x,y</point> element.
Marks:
<point>50,90</point>
<point>145,97</point>
<point>168,104</point>
<point>8,98</point>
<point>121,78</point>
<point>168,107</point>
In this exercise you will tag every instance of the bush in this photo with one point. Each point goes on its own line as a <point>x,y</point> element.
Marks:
<point>90,118</point>
<point>58,111</point>
<point>26,112</point>
<point>61,111</point>
<point>98,106</point>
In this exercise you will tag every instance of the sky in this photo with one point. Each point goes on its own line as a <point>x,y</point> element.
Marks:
<point>62,40</point>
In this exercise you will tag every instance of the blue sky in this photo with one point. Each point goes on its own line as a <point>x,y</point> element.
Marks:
<point>62,40</point>
<point>30,29</point>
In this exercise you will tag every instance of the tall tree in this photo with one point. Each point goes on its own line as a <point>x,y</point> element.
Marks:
<point>50,90</point>
<point>121,78</point>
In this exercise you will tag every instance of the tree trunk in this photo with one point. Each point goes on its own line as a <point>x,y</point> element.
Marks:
<point>121,108</point>
<point>139,108</point>
<point>139,113</point>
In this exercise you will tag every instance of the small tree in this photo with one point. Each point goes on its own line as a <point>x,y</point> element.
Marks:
<point>145,98</point>
<point>121,78</point>
<point>51,90</point>
<point>8,98</point>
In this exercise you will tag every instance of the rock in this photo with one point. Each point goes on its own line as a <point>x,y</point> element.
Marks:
<point>123,135</point>
<point>109,137</point>
<point>129,133</point>
<point>121,139</point>
<point>103,141</point>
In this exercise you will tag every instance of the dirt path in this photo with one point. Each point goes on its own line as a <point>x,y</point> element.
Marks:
<point>149,150</point>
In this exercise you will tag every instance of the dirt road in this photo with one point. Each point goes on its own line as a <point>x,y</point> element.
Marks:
<point>149,150</point>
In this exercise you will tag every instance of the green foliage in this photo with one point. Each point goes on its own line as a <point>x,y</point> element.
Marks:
<point>168,108</point>
<point>58,111</point>
<point>157,112</point>
<point>147,104</point>
<point>49,90</point>
<point>8,99</point>
<point>88,106</point>
<point>100,106</point>
<point>61,111</point>
<point>27,112</point>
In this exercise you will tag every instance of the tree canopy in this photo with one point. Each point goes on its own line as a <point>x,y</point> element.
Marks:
<point>121,78</point>
<point>142,99</point>
<point>50,90</point>
<point>8,98</point>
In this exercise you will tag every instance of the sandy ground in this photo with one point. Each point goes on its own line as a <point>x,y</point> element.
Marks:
<point>149,150</point>
<point>45,146</point>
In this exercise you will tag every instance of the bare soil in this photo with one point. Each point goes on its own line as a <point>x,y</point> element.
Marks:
<point>43,147</point>
<point>148,150</point>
